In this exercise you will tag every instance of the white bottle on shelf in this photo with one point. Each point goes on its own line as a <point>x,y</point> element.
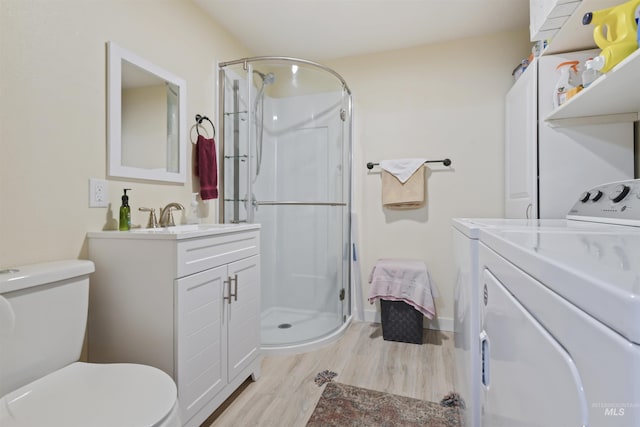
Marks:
<point>193,217</point>
<point>591,72</point>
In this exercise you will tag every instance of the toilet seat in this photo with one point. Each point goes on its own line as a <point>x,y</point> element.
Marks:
<point>97,395</point>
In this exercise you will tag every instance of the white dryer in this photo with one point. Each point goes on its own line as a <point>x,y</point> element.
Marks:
<point>466,235</point>
<point>512,369</point>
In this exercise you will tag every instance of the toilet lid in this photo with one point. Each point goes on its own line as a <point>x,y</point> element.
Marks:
<point>86,394</point>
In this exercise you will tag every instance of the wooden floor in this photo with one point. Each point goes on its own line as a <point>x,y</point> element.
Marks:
<point>286,394</point>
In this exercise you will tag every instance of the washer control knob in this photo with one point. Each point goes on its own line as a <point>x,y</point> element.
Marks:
<point>585,196</point>
<point>597,197</point>
<point>619,193</point>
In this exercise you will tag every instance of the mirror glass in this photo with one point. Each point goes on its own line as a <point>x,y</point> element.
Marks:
<point>146,119</point>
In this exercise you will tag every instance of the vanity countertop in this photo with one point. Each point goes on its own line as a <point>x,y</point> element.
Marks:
<point>177,232</point>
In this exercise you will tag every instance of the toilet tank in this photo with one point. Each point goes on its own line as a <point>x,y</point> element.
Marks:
<point>43,317</point>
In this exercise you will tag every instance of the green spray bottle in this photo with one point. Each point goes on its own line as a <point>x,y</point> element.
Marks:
<point>125,212</point>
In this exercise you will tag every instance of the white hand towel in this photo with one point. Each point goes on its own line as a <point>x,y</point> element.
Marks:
<point>402,168</point>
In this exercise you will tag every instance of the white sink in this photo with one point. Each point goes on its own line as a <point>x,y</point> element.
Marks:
<point>187,228</point>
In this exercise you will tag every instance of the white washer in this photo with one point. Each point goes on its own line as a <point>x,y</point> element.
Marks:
<point>508,328</point>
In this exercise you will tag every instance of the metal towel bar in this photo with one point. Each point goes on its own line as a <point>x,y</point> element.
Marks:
<point>445,162</point>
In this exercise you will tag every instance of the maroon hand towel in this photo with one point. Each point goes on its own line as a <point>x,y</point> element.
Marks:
<point>206,167</point>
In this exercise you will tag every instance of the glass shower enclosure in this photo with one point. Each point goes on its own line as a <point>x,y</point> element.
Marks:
<point>285,160</point>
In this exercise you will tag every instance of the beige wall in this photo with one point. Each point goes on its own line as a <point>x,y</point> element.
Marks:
<point>53,111</point>
<point>434,101</point>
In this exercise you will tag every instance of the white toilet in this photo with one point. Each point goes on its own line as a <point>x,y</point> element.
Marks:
<point>43,316</point>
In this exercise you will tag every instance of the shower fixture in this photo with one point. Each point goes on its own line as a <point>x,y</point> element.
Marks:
<point>267,79</point>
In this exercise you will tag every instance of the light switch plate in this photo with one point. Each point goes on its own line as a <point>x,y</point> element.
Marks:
<point>98,193</point>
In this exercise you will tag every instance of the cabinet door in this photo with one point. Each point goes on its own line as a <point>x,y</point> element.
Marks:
<point>521,139</point>
<point>243,314</point>
<point>200,358</point>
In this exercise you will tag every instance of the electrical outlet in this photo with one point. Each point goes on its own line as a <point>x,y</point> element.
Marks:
<point>98,193</point>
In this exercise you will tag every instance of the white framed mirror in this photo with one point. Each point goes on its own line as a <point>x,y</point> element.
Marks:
<point>146,129</point>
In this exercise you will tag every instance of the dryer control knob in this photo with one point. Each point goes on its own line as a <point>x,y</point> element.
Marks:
<point>597,197</point>
<point>585,196</point>
<point>619,193</point>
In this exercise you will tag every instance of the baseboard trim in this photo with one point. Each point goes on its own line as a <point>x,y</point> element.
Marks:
<point>436,324</point>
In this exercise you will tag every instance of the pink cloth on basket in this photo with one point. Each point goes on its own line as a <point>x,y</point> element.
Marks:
<point>403,280</point>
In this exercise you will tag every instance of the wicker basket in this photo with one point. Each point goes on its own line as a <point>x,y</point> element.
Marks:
<point>401,322</point>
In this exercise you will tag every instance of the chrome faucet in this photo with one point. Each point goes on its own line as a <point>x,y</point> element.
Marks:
<point>153,222</point>
<point>165,219</point>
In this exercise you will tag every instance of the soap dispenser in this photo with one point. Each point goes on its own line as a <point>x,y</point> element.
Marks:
<point>193,217</point>
<point>125,212</point>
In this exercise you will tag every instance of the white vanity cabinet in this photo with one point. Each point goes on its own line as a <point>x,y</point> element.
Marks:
<point>187,303</point>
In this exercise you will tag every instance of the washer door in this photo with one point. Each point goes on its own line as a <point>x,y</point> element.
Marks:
<point>528,379</point>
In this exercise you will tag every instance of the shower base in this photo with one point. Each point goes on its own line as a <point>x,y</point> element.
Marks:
<point>286,330</point>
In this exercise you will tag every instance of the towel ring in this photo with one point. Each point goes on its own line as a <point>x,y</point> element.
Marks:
<point>199,120</point>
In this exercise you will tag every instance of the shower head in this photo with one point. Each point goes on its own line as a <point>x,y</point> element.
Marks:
<point>267,79</point>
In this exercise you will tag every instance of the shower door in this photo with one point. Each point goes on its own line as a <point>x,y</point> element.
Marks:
<point>287,167</point>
